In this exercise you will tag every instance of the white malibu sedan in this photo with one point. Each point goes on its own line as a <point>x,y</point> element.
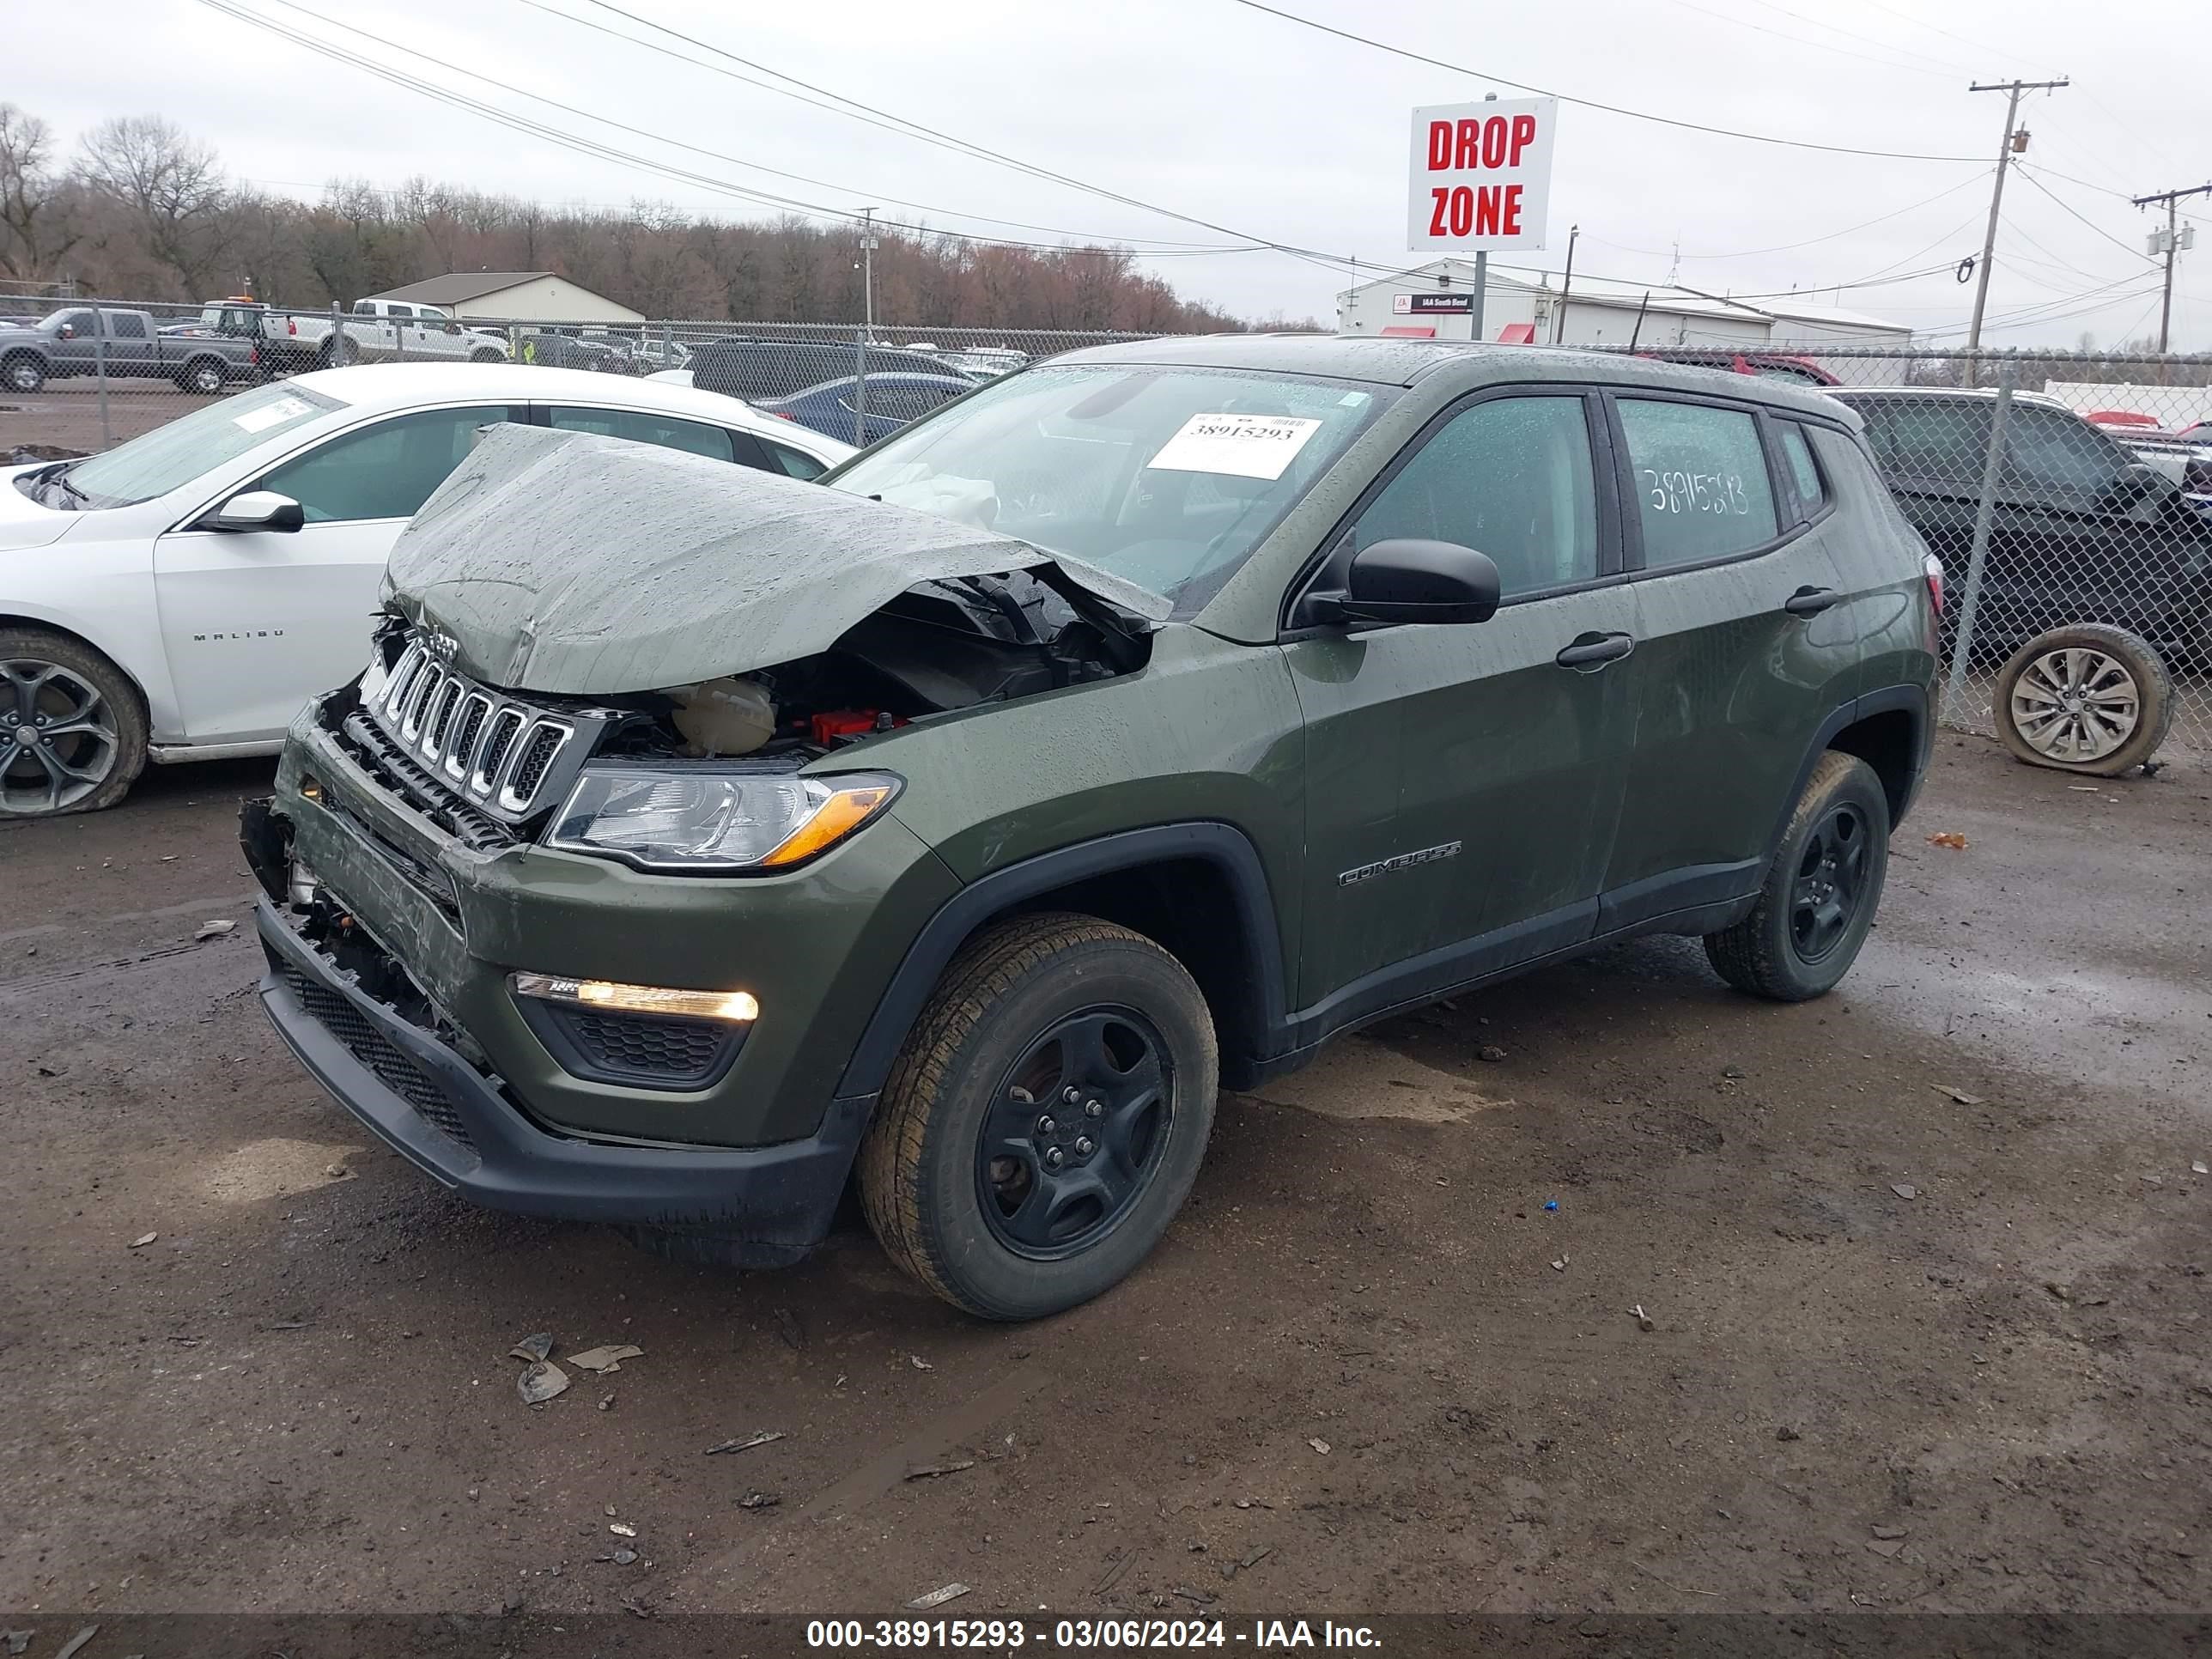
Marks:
<point>179,597</point>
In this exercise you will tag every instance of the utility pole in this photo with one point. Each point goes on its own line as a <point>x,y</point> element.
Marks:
<point>2170,241</point>
<point>1481,271</point>
<point>1566,284</point>
<point>2014,142</point>
<point>868,269</point>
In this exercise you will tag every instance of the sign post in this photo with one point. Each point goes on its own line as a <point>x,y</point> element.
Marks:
<point>1481,179</point>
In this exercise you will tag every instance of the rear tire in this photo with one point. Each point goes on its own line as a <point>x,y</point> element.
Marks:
<point>981,1177</point>
<point>2091,699</point>
<point>87,726</point>
<point>1819,899</point>
<point>486,355</point>
<point>205,375</point>
<point>336,352</point>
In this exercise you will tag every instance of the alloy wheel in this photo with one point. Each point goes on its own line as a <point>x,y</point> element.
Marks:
<point>1076,1131</point>
<point>2075,705</point>
<point>58,737</point>
<point>1831,880</point>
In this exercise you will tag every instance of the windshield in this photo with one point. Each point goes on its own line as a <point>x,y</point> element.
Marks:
<point>170,457</point>
<point>1167,478</point>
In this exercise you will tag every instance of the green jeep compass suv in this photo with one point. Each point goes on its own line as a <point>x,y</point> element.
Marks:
<point>699,841</point>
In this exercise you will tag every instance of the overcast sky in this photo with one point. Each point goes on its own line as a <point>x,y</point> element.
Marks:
<point>1227,114</point>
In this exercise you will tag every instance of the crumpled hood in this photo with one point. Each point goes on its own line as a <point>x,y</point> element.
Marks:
<point>580,566</point>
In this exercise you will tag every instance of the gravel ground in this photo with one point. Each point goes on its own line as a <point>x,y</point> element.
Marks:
<point>1923,1267</point>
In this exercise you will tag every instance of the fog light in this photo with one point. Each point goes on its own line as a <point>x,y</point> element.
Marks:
<point>738,1006</point>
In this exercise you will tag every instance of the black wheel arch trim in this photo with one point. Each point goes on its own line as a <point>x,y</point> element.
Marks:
<point>1228,848</point>
<point>1912,700</point>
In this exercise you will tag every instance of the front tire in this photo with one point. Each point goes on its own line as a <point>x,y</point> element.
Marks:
<point>1819,900</point>
<point>2090,699</point>
<point>1046,1119</point>
<point>72,729</point>
<point>23,373</point>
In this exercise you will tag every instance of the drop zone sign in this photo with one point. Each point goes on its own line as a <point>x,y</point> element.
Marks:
<point>1481,174</point>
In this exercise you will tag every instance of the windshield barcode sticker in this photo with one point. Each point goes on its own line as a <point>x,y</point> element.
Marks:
<point>1240,446</point>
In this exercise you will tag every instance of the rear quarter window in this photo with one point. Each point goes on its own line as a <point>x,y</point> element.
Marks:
<point>1800,469</point>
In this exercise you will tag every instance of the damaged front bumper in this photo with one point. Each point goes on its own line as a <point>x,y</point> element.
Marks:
<point>390,980</point>
<point>429,1105</point>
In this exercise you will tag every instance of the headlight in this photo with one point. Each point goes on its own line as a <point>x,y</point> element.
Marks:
<point>663,818</point>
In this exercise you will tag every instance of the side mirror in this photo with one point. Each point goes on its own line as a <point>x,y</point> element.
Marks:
<point>1407,581</point>
<point>68,331</point>
<point>258,509</point>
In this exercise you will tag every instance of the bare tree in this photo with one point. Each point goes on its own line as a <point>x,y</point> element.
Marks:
<point>171,184</point>
<point>36,223</point>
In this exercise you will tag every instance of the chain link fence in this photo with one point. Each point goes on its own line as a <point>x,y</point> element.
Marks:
<point>80,374</point>
<point>2058,489</point>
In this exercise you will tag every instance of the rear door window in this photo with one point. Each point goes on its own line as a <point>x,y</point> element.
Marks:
<point>125,325</point>
<point>1699,475</point>
<point>638,426</point>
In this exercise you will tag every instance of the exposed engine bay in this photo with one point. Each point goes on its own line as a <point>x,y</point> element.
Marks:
<point>941,646</point>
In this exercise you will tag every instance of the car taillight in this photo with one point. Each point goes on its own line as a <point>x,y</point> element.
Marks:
<point>292,325</point>
<point>780,415</point>
<point>1932,567</point>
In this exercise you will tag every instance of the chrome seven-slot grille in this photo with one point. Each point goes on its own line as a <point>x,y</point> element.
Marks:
<point>480,744</point>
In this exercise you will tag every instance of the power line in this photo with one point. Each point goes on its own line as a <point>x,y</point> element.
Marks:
<point>2028,173</point>
<point>1810,241</point>
<point>1942,66</point>
<point>677,144</point>
<point>1807,40</point>
<point>876,116</point>
<point>1586,103</point>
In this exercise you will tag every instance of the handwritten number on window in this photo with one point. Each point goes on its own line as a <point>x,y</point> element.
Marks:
<point>1696,492</point>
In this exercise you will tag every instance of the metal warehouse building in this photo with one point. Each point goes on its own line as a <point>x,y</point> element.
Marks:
<point>1435,302</point>
<point>537,296</point>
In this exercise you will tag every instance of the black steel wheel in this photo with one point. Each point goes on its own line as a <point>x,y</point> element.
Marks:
<point>1074,1132</point>
<point>72,732</point>
<point>1832,882</point>
<point>1818,902</point>
<point>1046,1118</point>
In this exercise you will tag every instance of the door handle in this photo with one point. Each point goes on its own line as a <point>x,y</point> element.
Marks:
<point>1811,601</point>
<point>1589,650</point>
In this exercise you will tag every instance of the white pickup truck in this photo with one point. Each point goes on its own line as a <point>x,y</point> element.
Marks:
<point>372,330</point>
